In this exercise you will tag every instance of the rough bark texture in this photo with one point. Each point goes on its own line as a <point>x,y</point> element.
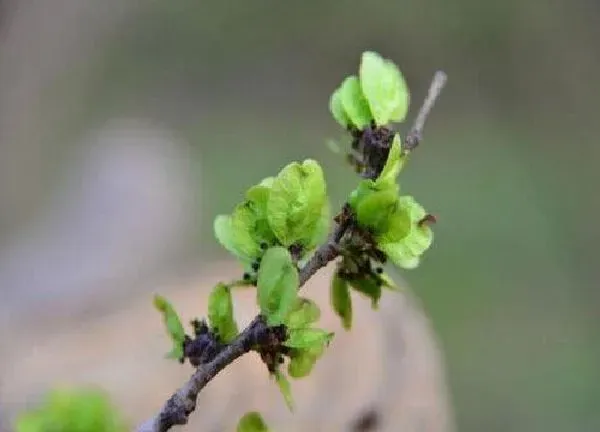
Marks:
<point>386,372</point>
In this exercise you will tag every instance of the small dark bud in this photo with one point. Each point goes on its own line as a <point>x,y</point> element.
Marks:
<point>378,270</point>
<point>247,276</point>
<point>255,266</point>
<point>264,246</point>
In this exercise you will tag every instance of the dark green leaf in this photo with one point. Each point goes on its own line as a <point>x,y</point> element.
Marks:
<point>370,287</point>
<point>220,313</point>
<point>341,300</point>
<point>278,283</point>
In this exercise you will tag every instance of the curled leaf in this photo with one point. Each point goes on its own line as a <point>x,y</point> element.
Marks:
<point>173,325</point>
<point>220,313</point>
<point>277,283</point>
<point>341,300</point>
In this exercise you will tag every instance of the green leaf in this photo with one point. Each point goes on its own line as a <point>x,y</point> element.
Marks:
<point>393,165</point>
<point>384,88</point>
<point>337,109</point>
<point>237,241</point>
<point>307,338</point>
<point>388,282</point>
<point>354,103</point>
<point>285,388</point>
<point>305,312</point>
<point>252,422</point>
<point>295,205</point>
<point>400,255</point>
<point>278,283</point>
<point>341,300</point>
<point>72,410</point>
<point>301,364</point>
<point>220,313</point>
<point>405,252</point>
<point>368,286</point>
<point>322,227</point>
<point>173,324</point>
<point>375,209</point>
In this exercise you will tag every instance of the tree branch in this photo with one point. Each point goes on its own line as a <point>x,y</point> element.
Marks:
<point>183,402</point>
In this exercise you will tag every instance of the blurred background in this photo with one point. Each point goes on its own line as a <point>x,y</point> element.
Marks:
<point>126,126</point>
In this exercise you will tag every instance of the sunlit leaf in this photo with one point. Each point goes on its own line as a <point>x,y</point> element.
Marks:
<point>337,109</point>
<point>305,312</point>
<point>384,88</point>
<point>354,103</point>
<point>301,365</point>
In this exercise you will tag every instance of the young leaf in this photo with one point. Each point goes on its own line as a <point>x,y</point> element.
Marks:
<point>375,209</point>
<point>278,283</point>
<point>220,313</point>
<point>384,88</point>
<point>405,251</point>
<point>252,422</point>
<point>397,227</point>
<point>285,388</point>
<point>307,337</point>
<point>341,300</point>
<point>337,109</point>
<point>245,224</point>
<point>354,103</point>
<point>305,312</point>
<point>295,205</point>
<point>235,240</point>
<point>400,255</point>
<point>370,287</point>
<point>322,227</point>
<point>173,325</point>
<point>301,364</point>
<point>388,282</point>
<point>393,165</point>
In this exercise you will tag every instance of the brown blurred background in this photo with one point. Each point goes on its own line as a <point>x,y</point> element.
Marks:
<point>126,126</point>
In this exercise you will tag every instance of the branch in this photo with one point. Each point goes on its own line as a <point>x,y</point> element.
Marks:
<point>182,403</point>
<point>415,136</point>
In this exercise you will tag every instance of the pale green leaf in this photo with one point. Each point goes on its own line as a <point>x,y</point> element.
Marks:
<point>375,209</point>
<point>384,88</point>
<point>295,205</point>
<point>277,283</point>
<point>337,109</point>
<point>400,255</point>
<point>354,103</point>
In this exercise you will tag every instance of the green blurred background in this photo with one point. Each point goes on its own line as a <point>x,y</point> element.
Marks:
<point>507,165</point>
